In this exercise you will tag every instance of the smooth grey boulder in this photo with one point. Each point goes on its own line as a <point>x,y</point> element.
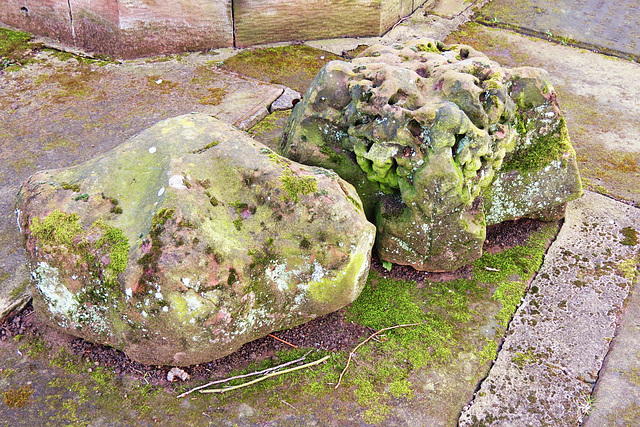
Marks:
<point>190,240</point>
<point>439,142</point>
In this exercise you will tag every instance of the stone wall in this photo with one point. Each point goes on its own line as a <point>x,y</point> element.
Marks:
<point>134,28</point>
<point>125,28</point>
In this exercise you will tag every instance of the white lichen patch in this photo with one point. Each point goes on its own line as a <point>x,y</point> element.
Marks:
<point>61,301</point>
<point>254,319</point>
<point>318,271</point>
<point>276,273</point>
<point>64,304</point>
<point>194,302</point>
<point>177,182</point>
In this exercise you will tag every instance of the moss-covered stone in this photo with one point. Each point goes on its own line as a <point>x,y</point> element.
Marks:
<point>439,141</point>
<point>216,242</point>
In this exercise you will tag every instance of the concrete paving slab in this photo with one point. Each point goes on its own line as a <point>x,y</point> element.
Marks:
<point>605,25</point>
<point>557,340</point>
<point>616,400</point>
<point>63,111</point>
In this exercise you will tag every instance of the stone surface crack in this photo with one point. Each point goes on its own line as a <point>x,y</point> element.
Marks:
<point>73,30</point>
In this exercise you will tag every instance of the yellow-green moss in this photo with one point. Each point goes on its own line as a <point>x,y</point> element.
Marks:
<point>628,268</point>
<point>215,96</point>
<point>630,236</point>
<point>15,49</point>
<point>57,228</point>
<point>17,398</point>
<point>294,66</point>
<point>115,243</point>
<point>295,185</point>
<point>511,269</point>
<point>543,150</point>
<point>158,84</point>
<point>521,359</point>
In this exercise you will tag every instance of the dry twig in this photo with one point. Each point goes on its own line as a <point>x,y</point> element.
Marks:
<point>400,22</point>
<point>226,380</point>
<point>364,342</point>
<point>272,374</point>
<point>281,340</point>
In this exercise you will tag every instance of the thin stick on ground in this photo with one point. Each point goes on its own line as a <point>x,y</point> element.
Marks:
<point>281,340</point>
<point>272,374</point>
<point>226,380</point>
<point>363,343</point>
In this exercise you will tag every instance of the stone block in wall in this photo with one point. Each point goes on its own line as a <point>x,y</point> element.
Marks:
<point>159,27</point>
<point>126,28</point>
<point>135,28</point>
<point>43,17</point>
<point>266,21</point>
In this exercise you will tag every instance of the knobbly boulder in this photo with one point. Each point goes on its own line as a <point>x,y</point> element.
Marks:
<point>190,240</point>
<point>439,142</point>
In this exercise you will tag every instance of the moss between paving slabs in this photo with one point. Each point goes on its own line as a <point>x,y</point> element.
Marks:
<point>15,49</point>
<point>269,130</point>
<point>294,66</point>
<point>387,374</point>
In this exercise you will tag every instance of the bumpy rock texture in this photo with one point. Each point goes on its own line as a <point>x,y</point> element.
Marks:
<point>439,142</point>
<point>189,240</point>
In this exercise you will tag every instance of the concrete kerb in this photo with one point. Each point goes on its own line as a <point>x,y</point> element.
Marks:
<point>557,341</point>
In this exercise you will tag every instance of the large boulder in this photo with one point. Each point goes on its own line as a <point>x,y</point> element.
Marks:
<point>190,240</point>
<point>439,142</point>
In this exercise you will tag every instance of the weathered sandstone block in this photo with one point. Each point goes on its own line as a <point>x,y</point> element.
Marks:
<point>190,240</point>
<point>439,142</point>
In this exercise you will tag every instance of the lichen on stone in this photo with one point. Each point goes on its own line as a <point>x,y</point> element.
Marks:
<point>423,130</point>
<point>218,243</point>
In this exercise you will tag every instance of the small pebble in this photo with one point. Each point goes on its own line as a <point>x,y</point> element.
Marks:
<point>176,374</point>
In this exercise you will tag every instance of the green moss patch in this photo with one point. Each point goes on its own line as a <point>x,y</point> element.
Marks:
<point>293,66</point>
<point>295,185</point>
<point>215,96</point>
<point>512,269</point>
<point>543,150</point>
<point>15,48</point>
<point>59,229</point>
<point>269,130</point>
<point>630,236</point>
